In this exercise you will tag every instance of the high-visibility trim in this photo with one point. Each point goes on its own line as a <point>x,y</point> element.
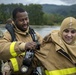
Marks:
<point>62,71</point>
<point>22,54</point>
<point>12,51</point>
<point>15,64</point>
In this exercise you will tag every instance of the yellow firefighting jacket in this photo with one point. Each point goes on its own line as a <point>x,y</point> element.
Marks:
<point>13,50</point>
<point>55,57</point>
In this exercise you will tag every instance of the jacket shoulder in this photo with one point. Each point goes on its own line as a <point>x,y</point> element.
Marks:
<point>47,38</point>
<point>7,36</point>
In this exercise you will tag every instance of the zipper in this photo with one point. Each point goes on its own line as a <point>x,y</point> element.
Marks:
<point>66,55</point>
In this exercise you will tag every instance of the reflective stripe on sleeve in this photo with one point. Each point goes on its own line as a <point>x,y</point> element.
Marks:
<point>62,71</point>
<point>12,51</point>
<point>15,64</point>
<point>22,54</point>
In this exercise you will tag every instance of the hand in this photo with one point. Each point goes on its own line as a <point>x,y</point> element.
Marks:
<point>6,69</point>
<point>30,45</point>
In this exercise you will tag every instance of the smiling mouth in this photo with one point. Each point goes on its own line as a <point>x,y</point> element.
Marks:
<point>25,26</point>
<point>68,39</point>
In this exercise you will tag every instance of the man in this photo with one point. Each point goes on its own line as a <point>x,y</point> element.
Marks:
<point>12,51</point>
<point>58,50</point>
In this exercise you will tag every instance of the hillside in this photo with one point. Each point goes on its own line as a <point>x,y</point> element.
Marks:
<point>59,9</point>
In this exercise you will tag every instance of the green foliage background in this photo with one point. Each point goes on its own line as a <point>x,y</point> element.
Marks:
<point>39,14</point>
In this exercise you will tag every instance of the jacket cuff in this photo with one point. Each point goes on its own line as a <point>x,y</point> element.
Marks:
<point>22,47</point>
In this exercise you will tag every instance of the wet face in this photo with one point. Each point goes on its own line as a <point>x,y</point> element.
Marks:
<point>69,35</point>
<point>22,21</point>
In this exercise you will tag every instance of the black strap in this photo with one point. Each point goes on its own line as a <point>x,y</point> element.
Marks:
<point>33,34</point>
<point>0,67</point>
<point>10,28</point>
<point>34,37</point>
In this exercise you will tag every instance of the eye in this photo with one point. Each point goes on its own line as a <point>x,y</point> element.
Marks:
<point>26,18</point>
<point>66,30</point>
<point>73,31</point>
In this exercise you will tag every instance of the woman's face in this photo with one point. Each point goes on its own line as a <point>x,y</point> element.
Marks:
<point>69,35</point>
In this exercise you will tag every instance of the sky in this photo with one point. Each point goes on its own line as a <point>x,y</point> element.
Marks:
<point>24,2</point>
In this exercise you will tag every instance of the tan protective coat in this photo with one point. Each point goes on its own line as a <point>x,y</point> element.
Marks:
<point>55,54</point>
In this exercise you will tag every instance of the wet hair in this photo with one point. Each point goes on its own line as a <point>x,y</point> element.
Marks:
<point>15,11</point>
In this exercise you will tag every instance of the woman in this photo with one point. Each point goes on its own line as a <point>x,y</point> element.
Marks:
<point>58,50</point>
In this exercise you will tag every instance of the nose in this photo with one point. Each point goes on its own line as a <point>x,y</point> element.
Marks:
<point>69,34</point>
<point>25,22</point>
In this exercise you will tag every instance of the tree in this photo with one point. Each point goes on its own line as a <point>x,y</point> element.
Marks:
<point>35,14</point>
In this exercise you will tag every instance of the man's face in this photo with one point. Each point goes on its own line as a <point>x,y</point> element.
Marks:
<point>22,21</point>
<point>69,35</point>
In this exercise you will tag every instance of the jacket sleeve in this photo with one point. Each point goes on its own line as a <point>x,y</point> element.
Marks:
<point>10,49</point>
<point>16,64</point>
